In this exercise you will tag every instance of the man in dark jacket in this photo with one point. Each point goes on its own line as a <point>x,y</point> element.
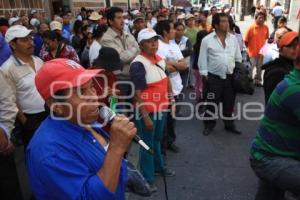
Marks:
<point>277,69</point>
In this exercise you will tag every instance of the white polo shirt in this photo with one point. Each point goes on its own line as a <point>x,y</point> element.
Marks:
<point>94,51</point>
<point>172,52</point>
<point>20,76</point>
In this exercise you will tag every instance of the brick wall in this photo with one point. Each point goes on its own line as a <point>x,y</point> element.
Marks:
<point>10,8</point>
<point>91,4</point>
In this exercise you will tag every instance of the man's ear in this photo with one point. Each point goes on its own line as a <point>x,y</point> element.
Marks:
<point>55,107</point>
<point>12,44</point>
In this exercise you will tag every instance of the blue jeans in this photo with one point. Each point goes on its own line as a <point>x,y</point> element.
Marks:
<point>277,175</point>
<point>153,138</point>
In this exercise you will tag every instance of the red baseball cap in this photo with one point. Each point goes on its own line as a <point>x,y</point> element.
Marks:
<point>59,74</point>
<point>288,38</point>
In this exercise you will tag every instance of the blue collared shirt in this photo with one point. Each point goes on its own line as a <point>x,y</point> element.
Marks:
<point>63,160</point>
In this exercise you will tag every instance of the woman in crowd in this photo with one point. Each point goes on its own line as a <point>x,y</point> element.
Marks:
<point>55,48</point>
<point>186,48</point>
<point>37,38</point>
<point>84,59</point>
<point>78,40</point>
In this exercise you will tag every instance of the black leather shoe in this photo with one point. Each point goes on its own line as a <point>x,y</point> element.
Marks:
<point>207,131</point>
<point>233,130</point>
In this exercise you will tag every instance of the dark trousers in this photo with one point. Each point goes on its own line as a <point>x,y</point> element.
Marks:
<point>185,77</point>
<point>276,175</point>
<point>219,91</point>
<point>276,21</point>
<point>32,123</point>
<point>170,134</point>
<point>9,183</point>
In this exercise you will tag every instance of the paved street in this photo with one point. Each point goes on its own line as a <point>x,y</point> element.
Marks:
<point>215,167</point>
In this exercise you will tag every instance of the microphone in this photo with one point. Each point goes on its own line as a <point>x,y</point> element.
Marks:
<point>108,115</point>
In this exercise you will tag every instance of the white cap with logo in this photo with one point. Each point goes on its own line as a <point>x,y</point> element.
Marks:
<point>146,34</point>
<point>16,31</point>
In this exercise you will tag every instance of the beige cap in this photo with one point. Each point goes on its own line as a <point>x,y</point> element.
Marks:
<point>189,16</point>
<point>182,16</point>
<point>55,25</point>
<point>95,16</point>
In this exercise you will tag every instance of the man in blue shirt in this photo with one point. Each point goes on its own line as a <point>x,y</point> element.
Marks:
<point>5,50</point>
<point>70,156</point>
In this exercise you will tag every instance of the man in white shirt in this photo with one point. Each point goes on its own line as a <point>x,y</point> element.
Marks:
<point>19,72</point>
<point>218,53</point>
<point>9,183</point>
<point>277,12</point>
<point>175,63</point>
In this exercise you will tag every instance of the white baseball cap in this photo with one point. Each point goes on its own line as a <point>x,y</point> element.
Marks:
<point>55,25</point>
<point>146,34</point>
<point>33,11</point>
<point>16,31</point>
<point>12,20</point>
<point>34,22</point>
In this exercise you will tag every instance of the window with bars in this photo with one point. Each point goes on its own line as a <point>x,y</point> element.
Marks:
<point>20,5</point>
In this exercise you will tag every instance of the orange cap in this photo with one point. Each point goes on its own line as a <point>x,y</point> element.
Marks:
<point>288,38</point>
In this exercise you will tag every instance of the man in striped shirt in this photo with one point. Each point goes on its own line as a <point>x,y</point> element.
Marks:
<point>275,151</point>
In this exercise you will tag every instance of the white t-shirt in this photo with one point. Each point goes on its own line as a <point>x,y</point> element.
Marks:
<point>277,11</point>
<point>270,52</point>
<point>153,21</point>
<point>94,51</point>
<point>172,52</point>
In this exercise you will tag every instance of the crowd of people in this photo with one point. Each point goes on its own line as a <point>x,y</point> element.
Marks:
<point>51,94</point>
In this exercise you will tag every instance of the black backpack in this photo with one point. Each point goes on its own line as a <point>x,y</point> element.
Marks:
<point>242,82</point>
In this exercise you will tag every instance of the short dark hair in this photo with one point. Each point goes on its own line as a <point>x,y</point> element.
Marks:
<point>217,19</point>
<point>213,7</point>
<point>110,13</point>
<point>260,14</point>
<point>162,26</point>
<point>178,24</point>
<point>154,11</point>
<point>282,19</point>
<point>99,31</point>
<point>77,27</point>
<point>51,35</point>
<point>39,26</point>
<point>4,22</point>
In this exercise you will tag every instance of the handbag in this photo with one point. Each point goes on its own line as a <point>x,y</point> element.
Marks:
<point>136,182</point>
<point>242,83</point>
